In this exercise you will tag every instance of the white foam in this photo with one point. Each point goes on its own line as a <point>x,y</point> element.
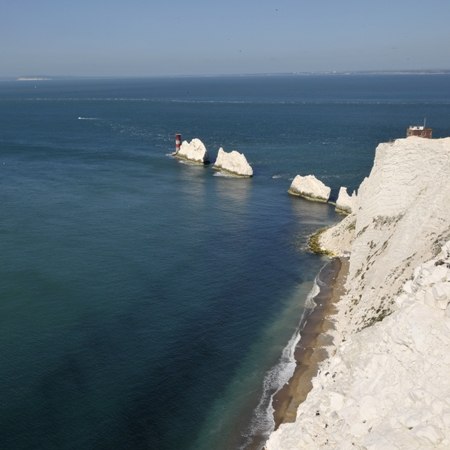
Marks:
<point>262,423</point>
<point>87,118</point>
<point>225,175</point>
<point>187,162</point>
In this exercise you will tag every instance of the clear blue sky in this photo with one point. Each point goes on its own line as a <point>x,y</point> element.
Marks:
<point>170,37</point>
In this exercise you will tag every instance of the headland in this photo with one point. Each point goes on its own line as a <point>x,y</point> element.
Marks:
<point>385,381</point>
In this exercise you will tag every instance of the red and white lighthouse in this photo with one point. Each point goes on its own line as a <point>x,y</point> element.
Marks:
<point>177,142</point>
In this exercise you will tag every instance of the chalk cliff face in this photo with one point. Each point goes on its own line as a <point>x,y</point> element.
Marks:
<point>386,383</point>
<point>310,188</point>
<point>194,151</point>
<point>402,217</point>
<point>233,162</point>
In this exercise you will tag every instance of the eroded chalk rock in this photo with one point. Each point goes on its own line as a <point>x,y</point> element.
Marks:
<point>233,162</point>
<point>194,151</point>
<point>310,187</point>
<point>345,202</point>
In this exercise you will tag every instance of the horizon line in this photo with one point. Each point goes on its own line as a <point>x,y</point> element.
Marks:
<point>48,77</point>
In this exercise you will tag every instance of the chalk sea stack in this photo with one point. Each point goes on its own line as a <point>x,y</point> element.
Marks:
<point>194,151</point>
<point>345,203</point>
<point>310,187</point>
<point>233,163</point>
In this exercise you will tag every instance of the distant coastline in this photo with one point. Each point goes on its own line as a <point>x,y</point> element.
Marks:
<point>33,79</point>
<point>330,73</point>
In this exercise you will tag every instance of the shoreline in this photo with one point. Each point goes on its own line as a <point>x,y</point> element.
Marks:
<point>311,350</point>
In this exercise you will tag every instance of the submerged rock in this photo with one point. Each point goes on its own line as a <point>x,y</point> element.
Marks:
<point>310,187</point>
<point>345,202</point>
<point>233,162</point>
<point>194,151</point>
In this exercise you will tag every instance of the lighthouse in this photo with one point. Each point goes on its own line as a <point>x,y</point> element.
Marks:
<point>177,142</point>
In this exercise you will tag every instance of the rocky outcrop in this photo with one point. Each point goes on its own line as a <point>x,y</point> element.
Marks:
<point>345,203</point>
<point>310,187</point>
<point>402,217</point>
<point>385,384</point>
<point>233,163</point>
<point>194,151</point>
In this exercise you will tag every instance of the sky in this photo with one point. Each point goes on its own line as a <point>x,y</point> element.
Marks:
<point>176,37</point>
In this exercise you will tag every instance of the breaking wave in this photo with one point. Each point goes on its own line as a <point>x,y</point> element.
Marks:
<point>262,423</point>
<point>283,176</point>
<point>225,175</point>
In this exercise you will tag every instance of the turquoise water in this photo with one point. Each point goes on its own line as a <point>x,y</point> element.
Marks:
<point>143,301</point>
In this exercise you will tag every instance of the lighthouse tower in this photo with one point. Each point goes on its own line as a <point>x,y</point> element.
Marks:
<point>177,142</point>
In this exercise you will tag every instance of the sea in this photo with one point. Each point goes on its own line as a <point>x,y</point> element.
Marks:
<point>147,303</point>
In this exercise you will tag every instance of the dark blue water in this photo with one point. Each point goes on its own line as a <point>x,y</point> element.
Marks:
<point>142,301</point>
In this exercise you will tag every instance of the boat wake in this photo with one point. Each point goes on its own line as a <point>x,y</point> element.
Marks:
<point>282,176</point>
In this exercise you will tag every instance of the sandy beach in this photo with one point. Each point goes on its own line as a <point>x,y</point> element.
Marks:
<point>310,350</point>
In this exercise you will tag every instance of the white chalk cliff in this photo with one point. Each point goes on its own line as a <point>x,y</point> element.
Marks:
<point>386,384</point>
<point>310,188</point>
<point>233,162</point>
<point>345,202</point>
<point>194,151</point>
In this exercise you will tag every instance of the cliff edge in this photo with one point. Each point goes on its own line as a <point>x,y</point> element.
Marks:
<point>386,384</point>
